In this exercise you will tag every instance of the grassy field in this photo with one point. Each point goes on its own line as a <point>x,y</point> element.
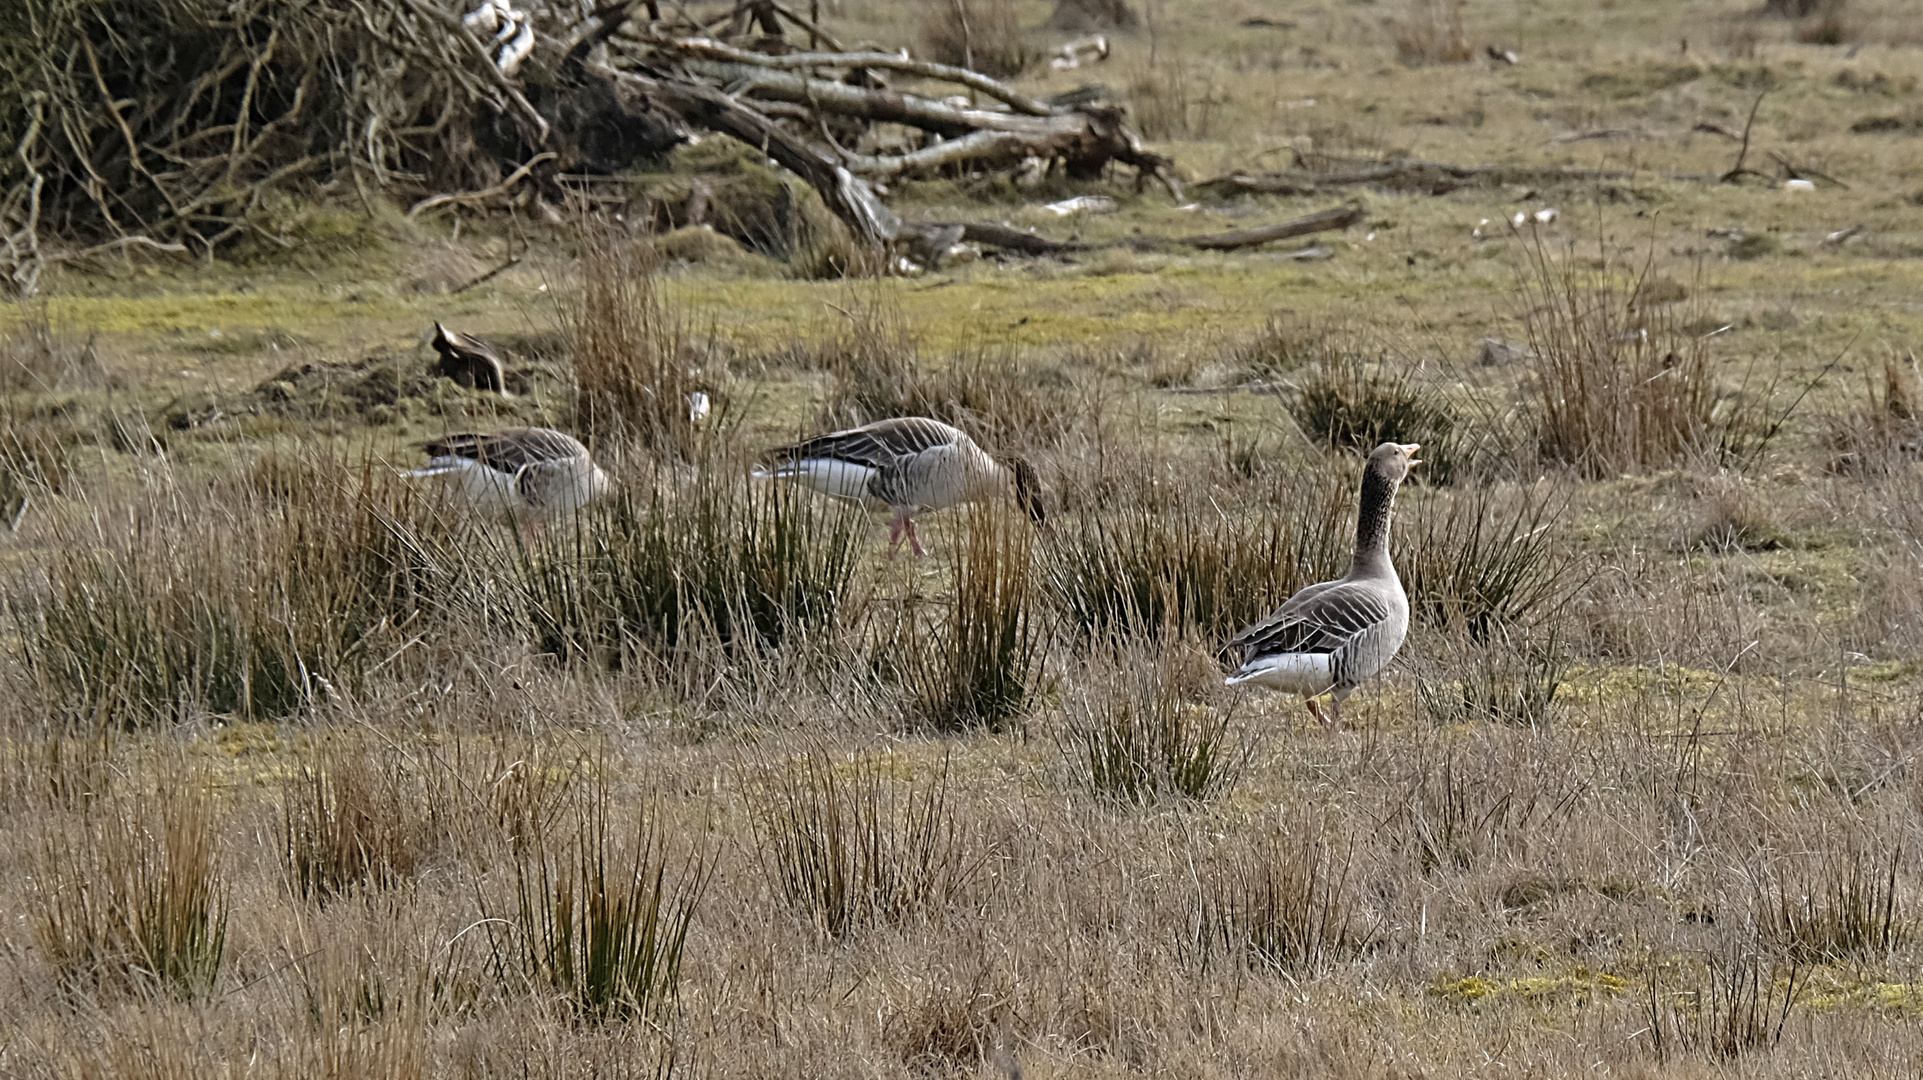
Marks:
<point>308,772</point>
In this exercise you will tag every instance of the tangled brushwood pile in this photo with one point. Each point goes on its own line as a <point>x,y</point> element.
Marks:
<point>172,124</point>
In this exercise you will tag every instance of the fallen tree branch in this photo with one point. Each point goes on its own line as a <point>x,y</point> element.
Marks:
<point>1086,138</point>
<point>472,198</point>
<point>1432,177</point>
<point>847,196</point>
<point>1340,217</point>
<point>1736,171</point>
<point>1022,243</point>
<point>714,50</point>
<point>1005,238</point>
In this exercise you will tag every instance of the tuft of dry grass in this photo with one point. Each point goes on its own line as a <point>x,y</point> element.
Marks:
<point>596,919</point>
<point>1159,555</point>
<point>1348,403</point>
<point>1486,558</point>
<point>1171,100</point>
<point>633,353</point>
<point>1732,1002</point>
<point>709,557</point>
<point>233,602</point>
<point>877,371</point>
<point>1510,675</point>
<point>1878,439</point>
<point>1135,733</point>
<point>847,846</point>
<point>1621,386</point>
<point>978,667</point>
<point>1843,907</point>
<point>132,897</point>
<point>1734,516</point>
<point>1282,902</point>
<point>352,819</point>
<point>36,357</point>
<point>982,35</point>
<point>1431,32</point>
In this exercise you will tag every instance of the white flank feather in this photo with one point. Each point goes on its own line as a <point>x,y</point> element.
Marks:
<point>836,479</point>
<point>1307,674</point>
<point>483,486</point>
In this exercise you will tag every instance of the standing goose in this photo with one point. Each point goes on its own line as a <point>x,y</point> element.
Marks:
<point>909,465</point>
<point>534,473</point>
<point>469,361</point>
<point>1334,635</point>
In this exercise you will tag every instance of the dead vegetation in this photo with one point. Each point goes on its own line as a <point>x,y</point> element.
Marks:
<point>312,774</point>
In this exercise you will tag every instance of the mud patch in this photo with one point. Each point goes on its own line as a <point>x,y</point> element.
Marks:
<point>384,389</point>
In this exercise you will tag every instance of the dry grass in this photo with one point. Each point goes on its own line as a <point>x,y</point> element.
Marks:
<point>1282,901</point>
<point>1136,733</point>
<point>979,666</point>
<point>982,35</point>
<point>710,558</point>
<point>355,818</point>
<point>232,601</point>
<point>596,919</point>
<point>848,846</point>
<point>131,898</point>
<point>35,356</point>
<point>633,352</point>
<point>702,783</point>
<point>1431,32</point>
<point>1622,385</point>
<point>1158,555</point>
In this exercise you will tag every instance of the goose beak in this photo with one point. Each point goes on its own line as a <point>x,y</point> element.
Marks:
<point>1410,449</point>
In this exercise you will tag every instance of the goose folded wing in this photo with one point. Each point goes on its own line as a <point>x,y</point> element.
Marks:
<point>508,451</point>
<point>876,446</point>
<point>1316,620</point>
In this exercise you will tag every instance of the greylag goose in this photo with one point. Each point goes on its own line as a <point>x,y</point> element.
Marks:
<point>1332,636</point>
<point>469,361</point>
<point>909,465</point>
<point>534,473</point>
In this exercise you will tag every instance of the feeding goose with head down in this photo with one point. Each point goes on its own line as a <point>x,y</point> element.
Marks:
<point>1332,636</point>
<point>908,465</point>
<point>532,473</point>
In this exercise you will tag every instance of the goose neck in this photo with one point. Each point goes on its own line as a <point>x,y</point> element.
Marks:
<point>1372,524</point>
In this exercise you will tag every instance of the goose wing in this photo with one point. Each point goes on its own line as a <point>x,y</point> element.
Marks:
<point>1320,619</point>
<point>876,446</point>
<point>509,451</point>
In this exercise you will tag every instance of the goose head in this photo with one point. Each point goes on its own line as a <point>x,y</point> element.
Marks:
<point>598,483</point>
<point>1392,461</point>
<point>1028,489</point>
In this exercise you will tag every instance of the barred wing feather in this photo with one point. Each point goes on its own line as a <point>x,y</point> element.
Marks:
<point>1319,619</point>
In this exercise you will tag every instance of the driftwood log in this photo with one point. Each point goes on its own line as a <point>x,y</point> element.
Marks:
<point>1084,137</point>
<point>1015,241</point>
<point>1428,177</point>
<point>168,125</point>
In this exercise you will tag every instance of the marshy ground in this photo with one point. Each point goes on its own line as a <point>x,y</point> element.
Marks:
<point>306,772</point>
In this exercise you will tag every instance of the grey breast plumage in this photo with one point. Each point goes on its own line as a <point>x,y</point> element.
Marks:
<point>469,361</point>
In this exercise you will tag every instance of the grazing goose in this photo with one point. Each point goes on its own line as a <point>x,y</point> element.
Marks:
<point>534,473</point>
<point>908,465</point>
<point>1333,635</point>
<point>468,361</point>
